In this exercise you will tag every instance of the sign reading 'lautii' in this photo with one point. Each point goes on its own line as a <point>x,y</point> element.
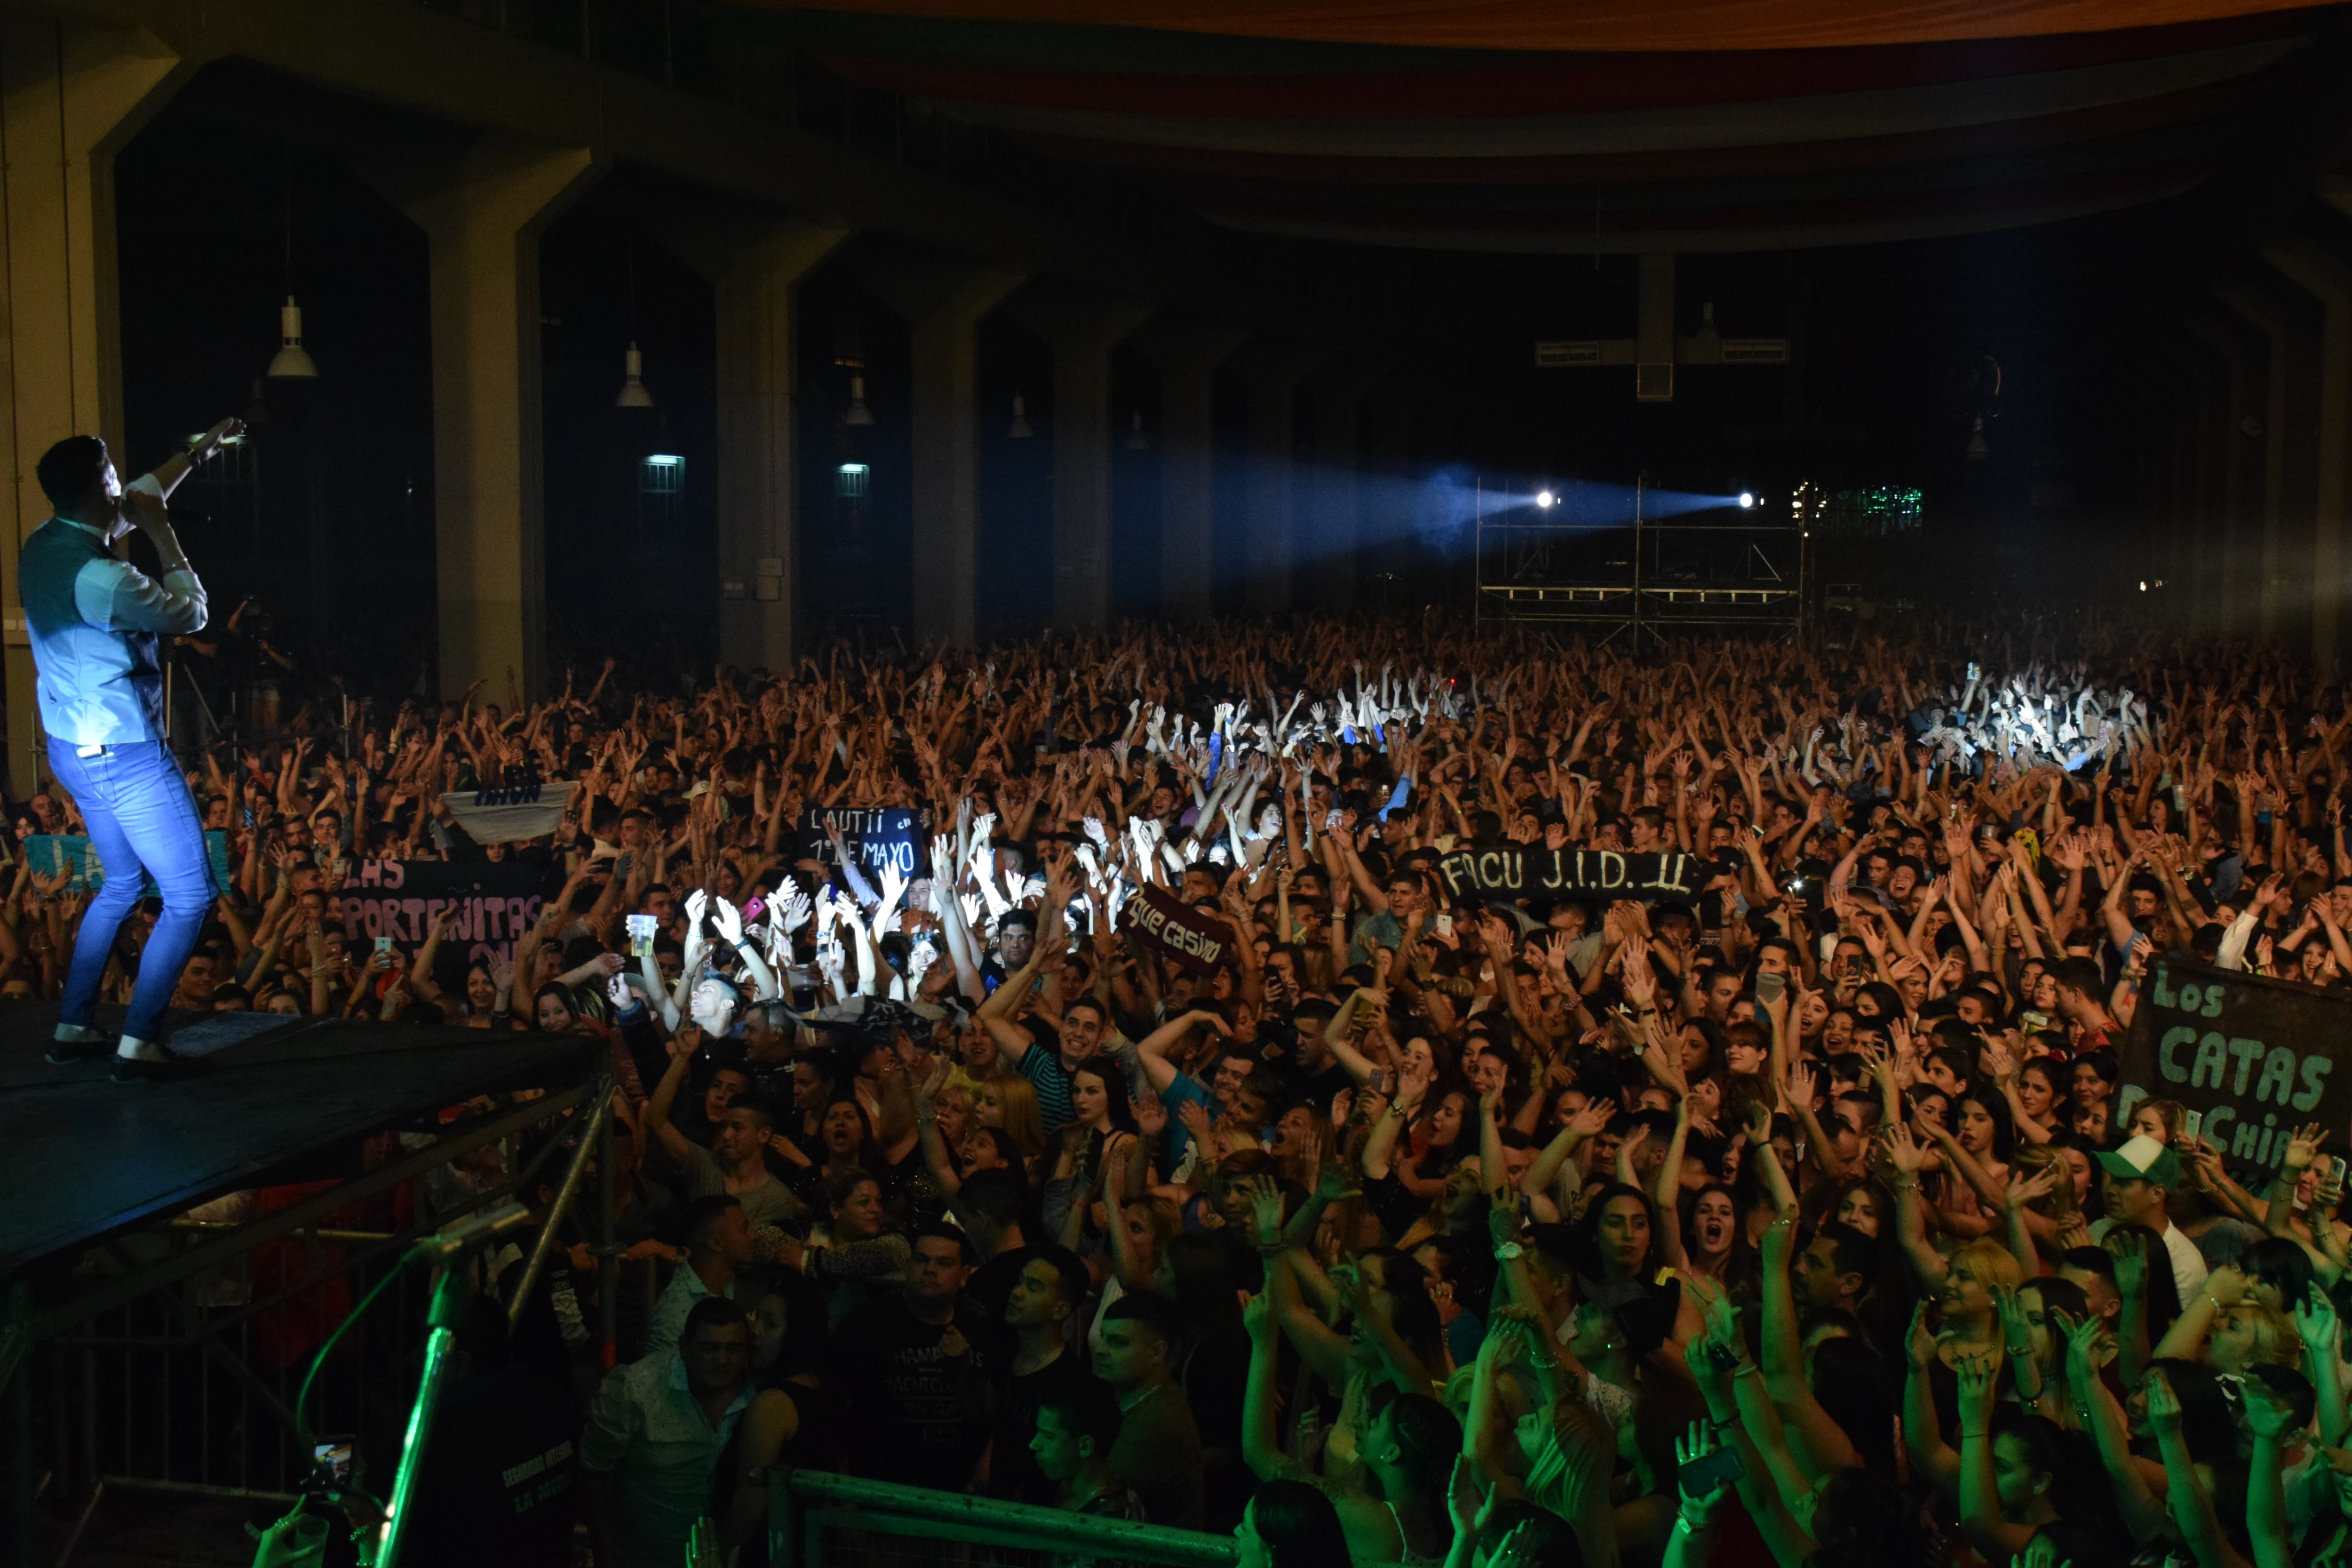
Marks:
<point>1518,871</point>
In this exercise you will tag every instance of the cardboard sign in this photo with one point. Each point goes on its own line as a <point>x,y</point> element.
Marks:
<point>1522,871</point>
<point>875,835</point>
<point>2258,1056</point>
<point>1192,939</point>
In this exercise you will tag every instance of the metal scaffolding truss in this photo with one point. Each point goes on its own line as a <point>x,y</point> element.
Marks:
<point>1649,577</point>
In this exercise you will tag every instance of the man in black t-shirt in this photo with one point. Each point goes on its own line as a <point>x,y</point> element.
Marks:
<point>913,1376</point>
<point>1045,1295</point>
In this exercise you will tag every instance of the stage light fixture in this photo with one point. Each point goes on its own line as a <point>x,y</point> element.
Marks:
<point>1546,499</point>
<point>857,413</point>
<point>1747,500</point>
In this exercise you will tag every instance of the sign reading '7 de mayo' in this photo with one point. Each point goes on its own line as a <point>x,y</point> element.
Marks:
<point>2257,1057</point>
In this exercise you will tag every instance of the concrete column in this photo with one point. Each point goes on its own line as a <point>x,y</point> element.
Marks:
<point>1187,354</point>
<point>2329,281</point>
<point>754,272</point>
<point>1271,372</point>
<point>943,302</point>
<point>72,96</point>
<point>483,214</point>
<point>1081,328</point>
<point>2288,450</point>
<point>2203,402</point>
<point>2248,551</point>
<point>1327,550</point>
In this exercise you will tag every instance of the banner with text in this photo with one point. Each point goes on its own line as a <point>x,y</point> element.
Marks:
<point>1521,871</point>
<point>1192,939</point>
<point>51,853</point>
<point>875,835</point>
<point>512,815</point>
<point>2256,1057</point>
<point>496,902</point>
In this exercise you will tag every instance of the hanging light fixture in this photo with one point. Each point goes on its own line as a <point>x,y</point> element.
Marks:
<point>1979,447</point>
<point>293,361</point>
<point>1020,430</point>
<point>1135,441</point>
<point>633,393</point>
<point>632,388</point>
<point>857,413</point>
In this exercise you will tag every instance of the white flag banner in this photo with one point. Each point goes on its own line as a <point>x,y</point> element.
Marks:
<point>515,813</point>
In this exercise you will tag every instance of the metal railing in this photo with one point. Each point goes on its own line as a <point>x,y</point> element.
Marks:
<point>818,1520</point>
<point>171,1362</point>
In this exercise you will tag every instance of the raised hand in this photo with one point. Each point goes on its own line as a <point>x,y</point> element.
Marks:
<point>2023,1189</point>
<point>1697,1444</point>
<point>1265,1210</point>
<point>727,919</point>
<point>2316,1321</point>
<point>2163,1405</point>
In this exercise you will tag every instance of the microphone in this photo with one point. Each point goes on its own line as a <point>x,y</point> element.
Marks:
<point>454,1240</point>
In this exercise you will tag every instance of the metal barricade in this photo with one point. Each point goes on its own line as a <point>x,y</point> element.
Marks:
<point>818,1520</point>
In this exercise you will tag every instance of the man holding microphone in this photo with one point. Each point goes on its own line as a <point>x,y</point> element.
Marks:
<point>94,621</point>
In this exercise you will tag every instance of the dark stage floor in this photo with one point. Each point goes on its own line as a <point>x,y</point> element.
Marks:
<point>82,1155</point>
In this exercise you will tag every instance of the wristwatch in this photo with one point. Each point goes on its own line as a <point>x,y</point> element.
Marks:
<point>1504,1251</point>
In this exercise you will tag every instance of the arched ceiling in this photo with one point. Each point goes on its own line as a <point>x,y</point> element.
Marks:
<point>1639,125</point>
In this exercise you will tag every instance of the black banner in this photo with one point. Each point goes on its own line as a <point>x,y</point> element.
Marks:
<point>1192,939</point>
<point>497,902</point>
<point>2256,1057</point>
<point>1521,871</point>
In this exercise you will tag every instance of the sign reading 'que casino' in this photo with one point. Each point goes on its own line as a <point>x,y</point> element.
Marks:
<point>2257,1057</point>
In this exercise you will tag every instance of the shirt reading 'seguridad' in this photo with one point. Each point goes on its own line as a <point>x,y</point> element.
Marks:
<point>94,623</point>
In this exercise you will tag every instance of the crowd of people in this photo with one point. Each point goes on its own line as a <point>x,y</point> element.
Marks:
<point>1794,1215</point>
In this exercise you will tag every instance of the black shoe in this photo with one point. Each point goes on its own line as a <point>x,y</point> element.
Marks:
<point>170,1067</point>
<point>65,1052</point>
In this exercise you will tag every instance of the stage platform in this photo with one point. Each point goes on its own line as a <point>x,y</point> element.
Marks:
<point>286,1098</point>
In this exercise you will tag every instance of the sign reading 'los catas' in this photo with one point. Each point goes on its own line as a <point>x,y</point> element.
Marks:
<point>2257,1057</point>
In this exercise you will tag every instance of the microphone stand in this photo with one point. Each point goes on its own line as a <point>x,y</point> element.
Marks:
<point>448,1310</point>
<point>447,1313</point>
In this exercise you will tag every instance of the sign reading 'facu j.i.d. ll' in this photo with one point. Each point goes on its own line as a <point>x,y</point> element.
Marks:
<point>1518,871</point>
<point>2255,1056</point>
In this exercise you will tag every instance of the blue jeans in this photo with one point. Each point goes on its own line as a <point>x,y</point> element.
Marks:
<point>142,824</point>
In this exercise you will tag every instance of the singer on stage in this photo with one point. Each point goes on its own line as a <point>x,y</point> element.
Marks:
<point>94,621</point>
